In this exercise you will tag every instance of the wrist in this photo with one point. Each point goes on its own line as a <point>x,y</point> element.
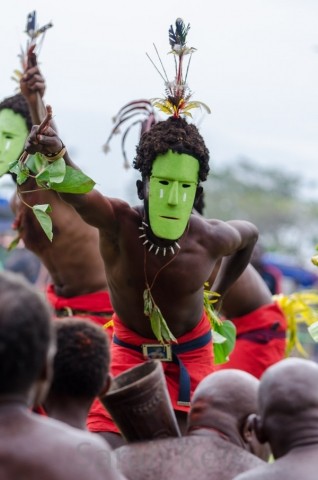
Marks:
<point>51,157</point>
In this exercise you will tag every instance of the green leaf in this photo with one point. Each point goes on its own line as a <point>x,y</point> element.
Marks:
<point>54,173</point>
<point>222,350</point>
<point>74,181</point>
<point>40,211</point>
<point>36,162</point>
<point>14,243</point>
<point>166,332</point>
<point>21,173</point>
<point>148,306</point>
<point>313,330</point>
<point>217,338</point>
<point>156,323</point>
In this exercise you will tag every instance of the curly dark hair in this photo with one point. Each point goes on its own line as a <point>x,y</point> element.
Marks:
<point>173,134</point>
<point>25,333</point>
<point>81,363</point>
<point>18,104</point>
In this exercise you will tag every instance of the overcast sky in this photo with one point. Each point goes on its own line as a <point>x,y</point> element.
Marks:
<point>256,66</point>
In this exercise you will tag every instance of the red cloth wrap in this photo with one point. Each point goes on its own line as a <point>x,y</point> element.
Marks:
<point>199,363</point>
<point>255,357</point>
<point>91,302</point>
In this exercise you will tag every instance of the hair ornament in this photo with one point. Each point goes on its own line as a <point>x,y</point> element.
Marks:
<point>177,99</point>
<point>137,112</point>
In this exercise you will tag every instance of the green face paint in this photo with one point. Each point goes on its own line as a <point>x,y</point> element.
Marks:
<point>172,188</point>
<point>13,133</point>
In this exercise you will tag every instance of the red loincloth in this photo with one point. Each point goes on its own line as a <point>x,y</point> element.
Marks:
<point>199,363</point>
<point>261,340</point>
<point>83,306</point>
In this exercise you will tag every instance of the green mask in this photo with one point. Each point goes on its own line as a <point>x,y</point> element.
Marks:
<point>172,188</point>
<point>13,133</point>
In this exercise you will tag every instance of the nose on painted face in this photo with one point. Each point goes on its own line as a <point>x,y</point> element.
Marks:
<point>173,198</point>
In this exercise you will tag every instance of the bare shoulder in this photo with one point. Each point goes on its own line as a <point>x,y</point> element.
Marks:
<point>76,453</point>
<point>264,472</point>
<point>221,231</point>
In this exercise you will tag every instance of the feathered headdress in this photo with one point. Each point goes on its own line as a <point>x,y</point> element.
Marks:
<point>177,101</point>
<point>33,32</point>
<point>137,112</point>
<point>178,94</point>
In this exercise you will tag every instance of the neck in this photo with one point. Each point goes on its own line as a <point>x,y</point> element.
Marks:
<point>206,431</point>
<point>224,431</point>
<point>68,410</point>
<point>281,445</point>
<point>157,245</point>
<point>13,402</point>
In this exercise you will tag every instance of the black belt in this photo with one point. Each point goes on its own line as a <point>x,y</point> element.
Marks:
<point>70,312</point>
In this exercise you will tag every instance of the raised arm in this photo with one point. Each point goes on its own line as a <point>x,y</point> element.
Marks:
<point>32,85</point>
<point>93,207</point>
<point>238,238</point>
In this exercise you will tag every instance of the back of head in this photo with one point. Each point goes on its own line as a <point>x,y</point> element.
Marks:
<point>25,334</point>
<point>81,363</point>
<point>288,399</point>
<point>290,386</point>
<point>225,394</point>
<point>19,105</point>
<point>173,134</point>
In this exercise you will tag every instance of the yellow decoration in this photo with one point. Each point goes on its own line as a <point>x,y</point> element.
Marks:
<point>299,307</point>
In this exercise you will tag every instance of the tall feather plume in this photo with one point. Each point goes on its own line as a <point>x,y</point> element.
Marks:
<point>177,92</point>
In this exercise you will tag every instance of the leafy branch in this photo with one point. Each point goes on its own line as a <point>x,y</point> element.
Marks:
<point>224,331</point>
<point>49,175</point>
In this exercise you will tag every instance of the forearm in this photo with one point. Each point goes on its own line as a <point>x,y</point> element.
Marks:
<point>233,266</point>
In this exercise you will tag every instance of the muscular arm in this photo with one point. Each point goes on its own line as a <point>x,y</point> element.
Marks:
<point>238,239</point>
<point>93,207</point>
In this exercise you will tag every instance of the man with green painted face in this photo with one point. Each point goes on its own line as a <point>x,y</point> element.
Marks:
<point>14,128</point>
<point>157,257</point>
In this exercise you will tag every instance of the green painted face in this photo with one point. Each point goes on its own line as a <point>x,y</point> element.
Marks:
<point>172,187</point>
<point>13,133</point>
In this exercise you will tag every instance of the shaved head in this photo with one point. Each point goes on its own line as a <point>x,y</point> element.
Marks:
<point>288,405</point>
<point>229,390</point>
<point>289,387</point>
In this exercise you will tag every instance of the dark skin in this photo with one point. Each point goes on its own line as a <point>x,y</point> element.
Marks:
<point>204,243</point>
<point>219,442</point>
<point>247,294</point>
<point>288,420</point>
<point>44,448</point>
<point>72,258</point>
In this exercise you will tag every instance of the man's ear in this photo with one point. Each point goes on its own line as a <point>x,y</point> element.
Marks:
<point>257,426</point>
<point>248,428</point>
<point>140,189</point>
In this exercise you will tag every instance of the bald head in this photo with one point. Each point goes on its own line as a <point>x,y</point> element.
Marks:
<point>289,387</point>
<point>231,391</point>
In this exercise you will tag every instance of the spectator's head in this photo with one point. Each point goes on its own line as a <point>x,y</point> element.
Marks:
<point>27,342</point>
<point>288,405</point>
<point>81,363</point>
<point>15,124</point>
<point>227,401</point>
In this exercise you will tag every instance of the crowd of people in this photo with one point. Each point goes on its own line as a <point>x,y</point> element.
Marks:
<point>126,288</point>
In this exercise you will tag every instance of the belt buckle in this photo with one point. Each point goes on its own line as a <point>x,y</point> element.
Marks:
<point>156,351</point>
